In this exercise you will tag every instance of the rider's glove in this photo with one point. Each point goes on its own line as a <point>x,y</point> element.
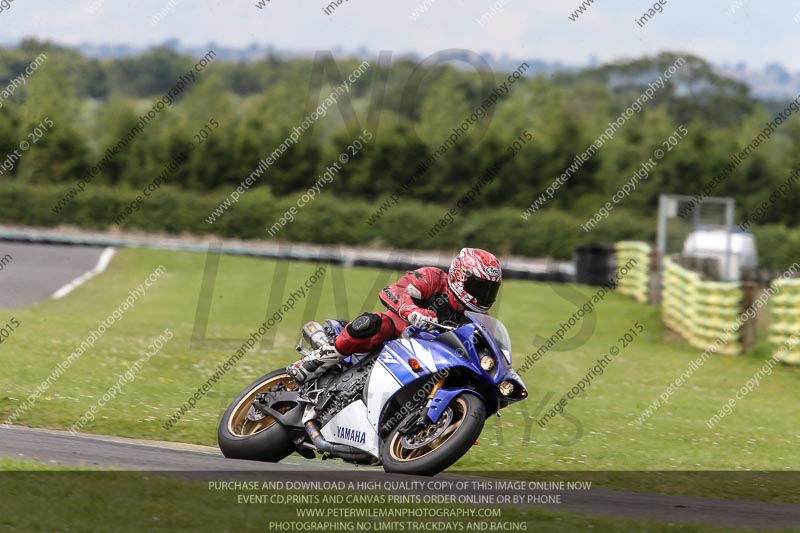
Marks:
<point>420,318</point>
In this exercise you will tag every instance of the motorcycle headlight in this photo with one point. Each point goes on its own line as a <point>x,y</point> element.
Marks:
<point>506,388</point>
<point>487,362</point>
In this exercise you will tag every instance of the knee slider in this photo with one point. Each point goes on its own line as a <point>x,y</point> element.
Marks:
<point>364,326</point>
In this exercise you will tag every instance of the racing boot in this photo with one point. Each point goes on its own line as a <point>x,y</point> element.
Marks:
<point>315,364</point>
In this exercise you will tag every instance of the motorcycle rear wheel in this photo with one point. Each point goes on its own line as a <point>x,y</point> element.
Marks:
<point>437,446</point>
<point>257,440</point>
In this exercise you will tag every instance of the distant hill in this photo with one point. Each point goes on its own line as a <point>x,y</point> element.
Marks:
<point>771,82</point>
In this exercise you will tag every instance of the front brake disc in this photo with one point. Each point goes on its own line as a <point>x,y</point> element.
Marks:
<point>426,435</point>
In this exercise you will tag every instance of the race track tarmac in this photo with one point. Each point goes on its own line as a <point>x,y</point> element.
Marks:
<point>202,462</point>
<point>30,273</point>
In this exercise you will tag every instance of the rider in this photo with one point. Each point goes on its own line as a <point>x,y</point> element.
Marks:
<point>422,296</point>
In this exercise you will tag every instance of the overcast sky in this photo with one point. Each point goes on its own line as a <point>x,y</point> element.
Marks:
<point>758,32</point>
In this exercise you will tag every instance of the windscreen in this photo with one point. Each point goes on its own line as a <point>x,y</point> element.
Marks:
<point>497,330</point>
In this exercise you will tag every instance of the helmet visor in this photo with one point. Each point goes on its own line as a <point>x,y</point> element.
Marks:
<point>483,290</point>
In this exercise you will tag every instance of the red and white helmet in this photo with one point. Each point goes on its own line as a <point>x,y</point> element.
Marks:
<point>475,278</point>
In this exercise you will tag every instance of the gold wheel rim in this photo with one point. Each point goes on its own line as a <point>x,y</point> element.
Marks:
<point>402,454</point>
<point>239,424</point>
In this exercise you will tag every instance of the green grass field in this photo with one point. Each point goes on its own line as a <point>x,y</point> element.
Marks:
<point>601,432</point>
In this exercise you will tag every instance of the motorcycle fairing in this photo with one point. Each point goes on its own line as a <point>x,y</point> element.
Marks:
<point>382,385</point>
<point>442,398</point>
<point>392,372</point>
<point>352,426</point>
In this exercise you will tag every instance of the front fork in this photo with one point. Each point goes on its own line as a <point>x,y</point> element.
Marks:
<point>435,406</point>
<point>413,423</point>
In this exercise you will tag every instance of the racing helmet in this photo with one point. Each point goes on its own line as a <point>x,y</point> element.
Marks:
<point>474,279</point>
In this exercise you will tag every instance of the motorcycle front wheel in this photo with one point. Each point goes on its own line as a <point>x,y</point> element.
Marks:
<point>246,434</point>
<point>435,447</point>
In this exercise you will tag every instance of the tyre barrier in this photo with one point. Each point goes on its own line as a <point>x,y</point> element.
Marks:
<point>784,329</point>
<point>700,311</point>
<point>636,281</point>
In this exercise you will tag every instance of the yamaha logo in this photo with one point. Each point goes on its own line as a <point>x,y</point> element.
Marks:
<point>351,434</point>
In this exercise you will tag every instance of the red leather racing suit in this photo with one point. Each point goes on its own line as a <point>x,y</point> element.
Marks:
<point>424,288</point>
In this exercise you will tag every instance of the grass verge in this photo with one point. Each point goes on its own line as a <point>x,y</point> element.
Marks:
<point>597,432</point>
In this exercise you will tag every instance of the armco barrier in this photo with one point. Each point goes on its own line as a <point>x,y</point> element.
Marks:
<point>785,315</point>
<point>700,311</point>
<point>636,282</point>
<point>545,270</point>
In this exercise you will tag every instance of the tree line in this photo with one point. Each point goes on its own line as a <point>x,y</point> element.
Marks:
<point>411,109</point>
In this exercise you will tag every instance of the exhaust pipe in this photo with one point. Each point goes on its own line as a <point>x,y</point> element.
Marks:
<point>339,450</point>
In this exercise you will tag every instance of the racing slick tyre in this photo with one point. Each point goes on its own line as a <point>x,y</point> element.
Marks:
<point>245,433</point>
<point>435,447</point>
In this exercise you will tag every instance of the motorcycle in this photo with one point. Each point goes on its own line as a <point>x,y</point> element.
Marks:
<point>414,406</point>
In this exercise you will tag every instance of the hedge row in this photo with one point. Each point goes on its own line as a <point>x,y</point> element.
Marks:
<point>331,220</point>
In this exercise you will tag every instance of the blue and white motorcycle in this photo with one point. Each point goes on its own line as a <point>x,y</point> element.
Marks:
<point>414,406</point>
